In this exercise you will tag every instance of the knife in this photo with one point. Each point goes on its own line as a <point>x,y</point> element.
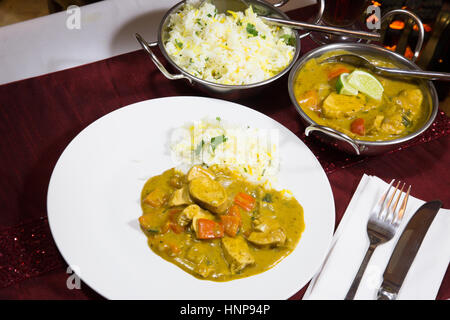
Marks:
<point>406,249</point>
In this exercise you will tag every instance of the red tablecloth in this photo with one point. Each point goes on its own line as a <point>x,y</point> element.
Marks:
<point>40,116</point>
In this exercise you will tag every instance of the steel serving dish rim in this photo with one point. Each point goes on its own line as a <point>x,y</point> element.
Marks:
<point>368,48</point>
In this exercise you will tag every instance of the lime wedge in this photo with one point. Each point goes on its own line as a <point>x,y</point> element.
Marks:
<point>343,87</point>
<point>366,83</point>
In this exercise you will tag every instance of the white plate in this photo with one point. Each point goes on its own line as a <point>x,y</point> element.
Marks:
<point>93,204</point>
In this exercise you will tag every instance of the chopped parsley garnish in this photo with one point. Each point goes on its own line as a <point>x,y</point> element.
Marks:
<point>199,148</point>
<point>251,29</point>
<point>216,75</point>
<point>178,44</point>
<point>267,197</point>
<point>288,39</point>
<point>406,122</point>
<point>218,118</point>
<point>217,140</point>
<point>209,15</point>
<point>405,119</point>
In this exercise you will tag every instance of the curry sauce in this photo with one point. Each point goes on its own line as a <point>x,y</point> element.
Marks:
<point>216,225</point>
<point>402,110</point>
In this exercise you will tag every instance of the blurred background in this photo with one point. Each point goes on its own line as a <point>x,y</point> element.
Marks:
<point>12,11</point>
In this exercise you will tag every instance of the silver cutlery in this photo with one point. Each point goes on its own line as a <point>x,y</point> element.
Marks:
<point>406,249</point>
<point>240,5</point>
<point>361,62</point>
<point>381,227</point>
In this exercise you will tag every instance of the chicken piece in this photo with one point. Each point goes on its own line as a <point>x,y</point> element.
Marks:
<point>337,106</point>
<point>271,238</point>
<point>199,171</point>
<point>180,197</point>
<point>393,125</point>
<point>209,194</point>
<point>188,213</point>
<point>191,214</point>
<point>265,223</point>
<point>410,101</point>
<point>268,231</point>
<point>156,198</point>
<point>376,124</point>
<point>237,253</point>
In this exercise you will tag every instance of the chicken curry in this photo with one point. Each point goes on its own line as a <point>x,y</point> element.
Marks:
<point>216,225</point>
<point>399,109</point>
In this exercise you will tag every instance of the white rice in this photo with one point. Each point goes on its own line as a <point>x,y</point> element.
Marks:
<point>235,48</point>
<point>252,152</point>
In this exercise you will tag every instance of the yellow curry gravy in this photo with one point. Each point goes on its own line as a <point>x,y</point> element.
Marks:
<point>402,110</point>
<point>179,208</point>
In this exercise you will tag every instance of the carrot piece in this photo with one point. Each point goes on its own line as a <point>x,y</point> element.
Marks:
<point>143,221</point>
<point>309,99</point>
<point>171,223</point>
<point>245,201</point>
<point>209,229</point>
<point>336,71</point>
<point>173,214</point>
<point>230,224</point>
<point>176,228</point>
<point>357,126</point>
<point>172,226</point>
<point>234,211</point>
<point>156,198</point>
<point>165,228</point>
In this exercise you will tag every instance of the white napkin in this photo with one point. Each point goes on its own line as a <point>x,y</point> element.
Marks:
<point>350,243</point>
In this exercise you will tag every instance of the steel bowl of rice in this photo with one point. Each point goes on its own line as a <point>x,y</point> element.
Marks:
<point>228,55</point>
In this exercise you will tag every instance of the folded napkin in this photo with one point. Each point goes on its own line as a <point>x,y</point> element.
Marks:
<point>350,243</point>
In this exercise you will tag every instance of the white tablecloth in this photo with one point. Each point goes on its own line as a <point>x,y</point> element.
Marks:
<point>43,45</point>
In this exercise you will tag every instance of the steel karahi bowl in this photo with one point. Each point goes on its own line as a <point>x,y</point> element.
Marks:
<point>342,141</point>
<point>229,92</point>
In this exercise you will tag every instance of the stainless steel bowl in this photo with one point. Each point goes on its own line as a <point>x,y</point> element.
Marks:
<point>230,92</point>
<point>342,141</point>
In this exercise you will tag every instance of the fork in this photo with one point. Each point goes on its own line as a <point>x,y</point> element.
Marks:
<point>381,227</point>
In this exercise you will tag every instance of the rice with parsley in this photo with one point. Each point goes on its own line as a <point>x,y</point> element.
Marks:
<point>234,48</point>
<point>252,152</point>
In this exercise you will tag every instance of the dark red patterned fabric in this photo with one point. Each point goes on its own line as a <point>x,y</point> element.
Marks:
<point>40,116</point>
